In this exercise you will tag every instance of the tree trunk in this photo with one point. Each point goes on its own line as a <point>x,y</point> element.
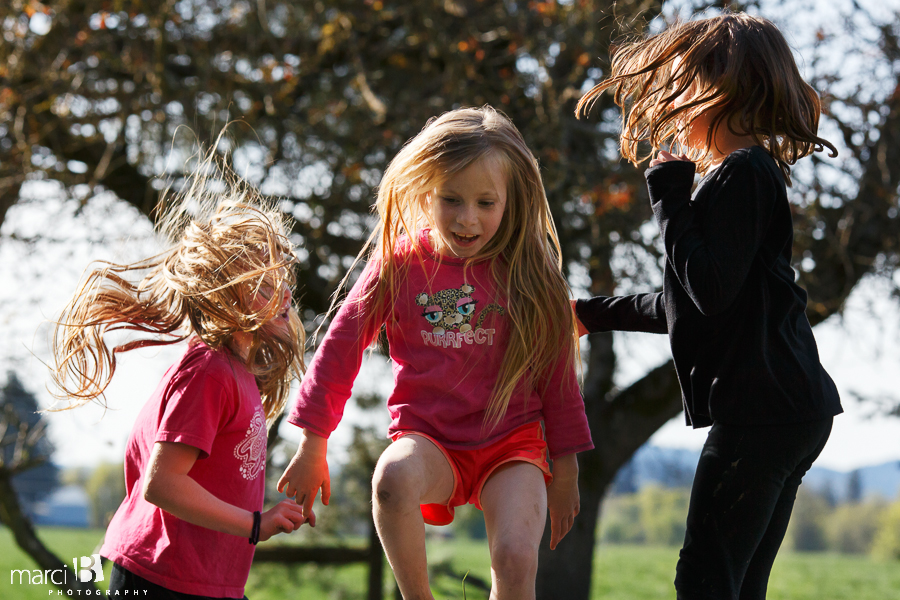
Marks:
<point>620,423</point>
<point>566,571</point>
<point>11,514</point>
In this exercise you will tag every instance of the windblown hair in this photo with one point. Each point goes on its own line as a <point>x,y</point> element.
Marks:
<point>524,254</point>
<point>736,66</point>
<point>228,252</point>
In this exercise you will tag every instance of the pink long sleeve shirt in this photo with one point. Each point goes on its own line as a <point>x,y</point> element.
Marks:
<point>448,331</point>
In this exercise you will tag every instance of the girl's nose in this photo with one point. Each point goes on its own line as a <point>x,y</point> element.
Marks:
<point>467,216</point>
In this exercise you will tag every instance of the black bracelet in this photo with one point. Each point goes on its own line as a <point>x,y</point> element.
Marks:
<point>254,533</point>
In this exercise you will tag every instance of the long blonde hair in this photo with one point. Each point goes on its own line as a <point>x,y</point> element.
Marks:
<point>228,250</point>
<point>524,255</point>
<point>738,66</point>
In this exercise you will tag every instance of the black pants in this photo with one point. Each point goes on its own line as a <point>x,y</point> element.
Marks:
<point>741,501</point>
<point>126,582</point>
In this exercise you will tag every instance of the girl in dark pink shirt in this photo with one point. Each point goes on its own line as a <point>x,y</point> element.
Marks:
<point>195,460</point>
<point>464,275</point>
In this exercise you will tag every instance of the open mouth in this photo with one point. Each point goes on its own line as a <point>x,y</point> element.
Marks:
<point>465,239</point>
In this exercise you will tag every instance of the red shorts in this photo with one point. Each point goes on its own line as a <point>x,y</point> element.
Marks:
<point>472,468</point>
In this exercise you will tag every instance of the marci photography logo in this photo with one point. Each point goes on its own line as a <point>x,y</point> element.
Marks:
<point>86,569</point>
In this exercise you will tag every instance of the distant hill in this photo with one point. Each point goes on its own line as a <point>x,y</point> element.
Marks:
<point>674,467</point>
<point>668,467</point>
<point>883,480</point>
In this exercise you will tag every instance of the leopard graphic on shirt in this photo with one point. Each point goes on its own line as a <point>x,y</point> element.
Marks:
<point>449,312</point>
<point>251,451</point>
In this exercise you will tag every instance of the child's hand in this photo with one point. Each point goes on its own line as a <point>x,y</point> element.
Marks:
<point>582,330</point>
<point>284,517</point>
<point>664,156</point>
<point>306,474</point>
<point>562,498</point>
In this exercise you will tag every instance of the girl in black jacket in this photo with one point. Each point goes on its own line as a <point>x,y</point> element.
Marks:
<point>726,92</point>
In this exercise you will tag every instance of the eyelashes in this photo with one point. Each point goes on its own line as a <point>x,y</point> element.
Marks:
<point>454,201</point>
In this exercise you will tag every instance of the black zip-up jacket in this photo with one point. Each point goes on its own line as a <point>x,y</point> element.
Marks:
<point>743,348</point>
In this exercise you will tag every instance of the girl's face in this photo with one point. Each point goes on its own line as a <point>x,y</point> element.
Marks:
<point>693,135</point>
<point>265,295</point>
<point>258,301</point>
<point>262,297</point>
<point>467,208</point>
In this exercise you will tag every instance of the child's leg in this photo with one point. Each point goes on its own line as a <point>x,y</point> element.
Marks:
<point>757,577</point>
<point>740,490</point>
<point>514,500</point>
<point>412,471</point>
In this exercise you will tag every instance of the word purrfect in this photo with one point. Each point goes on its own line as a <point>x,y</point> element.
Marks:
<point>451,338</point>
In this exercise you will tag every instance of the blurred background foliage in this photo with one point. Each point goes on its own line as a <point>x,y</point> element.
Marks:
<point>102,97</point>
<point>655,516</point>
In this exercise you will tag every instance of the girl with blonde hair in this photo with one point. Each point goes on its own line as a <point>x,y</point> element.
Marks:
<point>727,93</point>
<point>464,273</point>
<point>195,459</point>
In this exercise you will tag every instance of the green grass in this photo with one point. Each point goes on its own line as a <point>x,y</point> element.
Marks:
<point>307,582</point>
<point>620,573</point>
<point>829,576</point>
<point>633,572</point>
<point>642,572</point>
<point>451,561</point>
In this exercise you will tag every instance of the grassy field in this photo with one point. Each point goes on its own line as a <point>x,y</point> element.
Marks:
<point>620,573</point>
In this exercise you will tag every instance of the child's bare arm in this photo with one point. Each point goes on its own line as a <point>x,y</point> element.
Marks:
<point>562,497</point>
<point>579,326</point>
<point>307,473</point>
<point>168,486</point>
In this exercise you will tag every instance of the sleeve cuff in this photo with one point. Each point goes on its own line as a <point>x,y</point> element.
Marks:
<point>663,179</point>
<point>302,424</point>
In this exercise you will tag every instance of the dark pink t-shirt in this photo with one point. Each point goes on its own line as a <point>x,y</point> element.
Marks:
<point>448,332</point>
<point>207,400</point>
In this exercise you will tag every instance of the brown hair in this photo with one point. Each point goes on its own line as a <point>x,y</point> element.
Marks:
<point>228,250</point>
<point>736,65</point>
<point>524,253</point>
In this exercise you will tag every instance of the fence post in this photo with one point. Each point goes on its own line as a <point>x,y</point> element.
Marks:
<point>376,565</point>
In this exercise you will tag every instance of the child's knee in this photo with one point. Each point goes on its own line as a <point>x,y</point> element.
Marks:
<point>514,561</point>
<point>393,484</point>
